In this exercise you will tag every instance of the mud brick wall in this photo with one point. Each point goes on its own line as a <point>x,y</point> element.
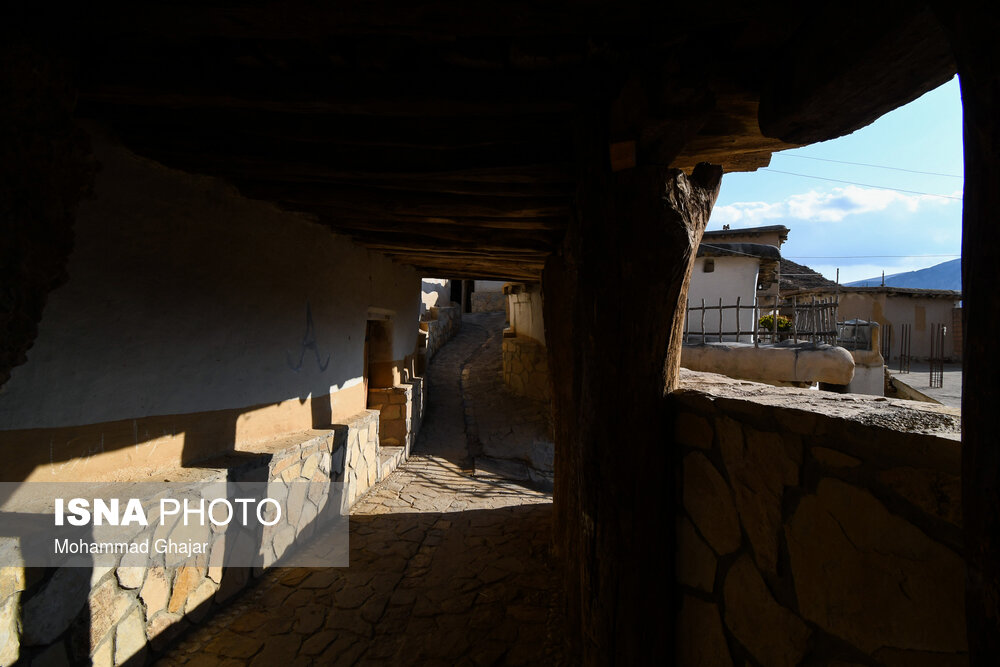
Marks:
<point>526,368</point>
<point>397,408</point>
<point>816,527</point>
<point>127,613</point>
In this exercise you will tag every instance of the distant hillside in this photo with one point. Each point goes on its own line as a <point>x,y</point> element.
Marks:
<point>947,275</point>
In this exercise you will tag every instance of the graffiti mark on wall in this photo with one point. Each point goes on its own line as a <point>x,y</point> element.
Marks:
<point>77,458</point>
<point>309,344</point>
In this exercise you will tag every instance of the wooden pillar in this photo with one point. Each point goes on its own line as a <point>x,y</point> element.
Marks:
<point>977,53</point>
<point>614,318</point>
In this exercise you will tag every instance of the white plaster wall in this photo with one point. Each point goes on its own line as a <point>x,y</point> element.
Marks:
<point>525,310</point>
<point>185,297</point>
<point>733,277</point>
<point>434,292</point>
<point>867,380</point>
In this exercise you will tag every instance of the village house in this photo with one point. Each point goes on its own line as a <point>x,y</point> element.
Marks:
<point>896,308</point>
<point>730,274</point>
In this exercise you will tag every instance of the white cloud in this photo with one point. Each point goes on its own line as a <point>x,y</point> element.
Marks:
<point>817,206</point>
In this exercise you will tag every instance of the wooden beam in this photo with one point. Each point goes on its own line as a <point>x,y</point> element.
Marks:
<point>849,65</point>
<point>173,147</point>
<point>439,207</point>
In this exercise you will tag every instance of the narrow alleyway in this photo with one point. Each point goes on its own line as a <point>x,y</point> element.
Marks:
<point>445,568</point>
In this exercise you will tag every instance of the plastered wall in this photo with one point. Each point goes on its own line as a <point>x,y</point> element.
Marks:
<point>732,277</point>
<point>194,320</point>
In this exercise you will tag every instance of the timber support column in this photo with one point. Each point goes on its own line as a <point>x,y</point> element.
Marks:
<point>977,53</point>
<point>614,312</point>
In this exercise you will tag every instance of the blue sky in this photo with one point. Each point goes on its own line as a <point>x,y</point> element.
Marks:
<point>837,224</point>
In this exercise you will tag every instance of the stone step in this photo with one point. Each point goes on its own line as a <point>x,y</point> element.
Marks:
<point>389,459</point>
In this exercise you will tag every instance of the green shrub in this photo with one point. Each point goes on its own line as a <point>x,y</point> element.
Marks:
<point>784,323</point>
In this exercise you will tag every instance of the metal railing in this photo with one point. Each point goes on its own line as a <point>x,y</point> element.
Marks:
<point>936,360</point>
<point>814,321</point>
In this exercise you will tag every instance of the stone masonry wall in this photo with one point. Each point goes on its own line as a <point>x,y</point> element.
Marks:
<point>526,368</point>
<point>488,302</point>
<point>400,413</point>
<point>129,613</point>
<point>440,325</point>
<point>816,528</point>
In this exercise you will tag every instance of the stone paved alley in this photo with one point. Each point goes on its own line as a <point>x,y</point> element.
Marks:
<point>445,568</point>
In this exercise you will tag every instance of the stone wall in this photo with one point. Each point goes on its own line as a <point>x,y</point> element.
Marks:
<point>816,528</point>
<point>440,324</point>
<point>400,412</point>
<point>526,368</point>
<point>129,613</point>
<point>488,302</point>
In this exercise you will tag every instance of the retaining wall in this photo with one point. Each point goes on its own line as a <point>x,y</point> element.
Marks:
<point>526,368</point>
<point>816,527</point>
<point>439,326</point>
<point>113,615</point>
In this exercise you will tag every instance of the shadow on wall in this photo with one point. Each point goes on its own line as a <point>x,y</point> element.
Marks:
<point>162,358</point>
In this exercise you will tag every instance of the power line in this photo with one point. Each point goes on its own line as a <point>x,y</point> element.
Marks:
<point>864,185</point>
<point>728,250</point>
<point>876,166</point>
<point>737,252</point>
<point>861,256</point>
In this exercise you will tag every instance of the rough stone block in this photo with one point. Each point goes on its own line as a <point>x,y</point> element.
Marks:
<point>870,577</point>
<point>48,612</point>
<point>709,503</point>
<point>104,655</point>
<point>937,493</point>
<point>162,629</point>
<point>197,604</point>
<point>291,472</point>
<point>833,458</point>
<point>695,560</point>
<point>773,634</point>
<point>310,466</point>
<point>130,638</point>
<point>693,431</point>
<point>10,646</point>
<point>700,640</point>
<point>11,581</point>
<point>108,604</point>
<point>186,579</point>
<point>155,590</point>
<point>760,468</point>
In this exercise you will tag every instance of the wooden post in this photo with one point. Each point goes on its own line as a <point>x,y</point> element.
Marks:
<point>774,322</point>
<point>977,52</point>
<point>687,319</point>
<point>795,318</point>
<point>702,321</point>
<point>720,319</point>
<point>614,311</point>
<point>737,319</point>
<point>756,323</point>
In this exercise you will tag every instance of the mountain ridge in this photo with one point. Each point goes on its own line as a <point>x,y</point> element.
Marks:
<point>946,275</point>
